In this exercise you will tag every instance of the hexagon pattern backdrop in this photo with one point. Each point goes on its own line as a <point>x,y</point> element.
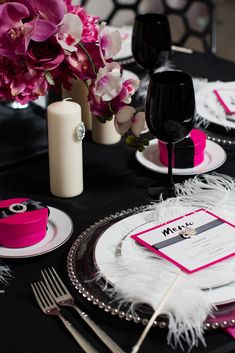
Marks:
<point>192,22</point>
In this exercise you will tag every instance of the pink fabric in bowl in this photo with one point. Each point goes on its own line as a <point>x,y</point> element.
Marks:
<point>199,141</point>
<point>22,229</point>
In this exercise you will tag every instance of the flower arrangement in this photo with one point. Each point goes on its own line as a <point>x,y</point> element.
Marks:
<point>50,42</point>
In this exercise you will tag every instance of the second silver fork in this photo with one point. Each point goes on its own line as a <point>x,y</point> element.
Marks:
<point>49,307</point>
<point>62,297</point>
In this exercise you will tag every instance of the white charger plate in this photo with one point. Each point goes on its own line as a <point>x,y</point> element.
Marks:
<point>82,270</point>
<point>215,156</point>
<point>210,109</point>
<point>117,241</point>
<point>59,229</point>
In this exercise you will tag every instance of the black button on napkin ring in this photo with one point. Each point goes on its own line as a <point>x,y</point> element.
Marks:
<point>18,208</point>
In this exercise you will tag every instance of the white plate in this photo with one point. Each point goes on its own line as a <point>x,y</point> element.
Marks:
<point>126,34</point>
<point>222,295</point>
<point>59,229</point>
<point>208,106</point>
<point>215,156</point>
<point>117,241</point>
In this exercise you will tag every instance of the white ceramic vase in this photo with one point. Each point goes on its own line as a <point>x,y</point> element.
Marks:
<point>104,133</point>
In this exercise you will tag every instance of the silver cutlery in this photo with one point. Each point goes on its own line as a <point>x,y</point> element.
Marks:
<point>49,307</point>
<point>63,297</point>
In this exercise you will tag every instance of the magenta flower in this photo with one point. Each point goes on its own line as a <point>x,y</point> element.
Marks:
<point>90,29</point>
<point>85,61</point>
<point>51,42</point>
<point>45,55</point>
<point>16,33</point>
<point>69,5</point>
<point>26,91</point>
<point>50,10</point>
<point>17,83</point>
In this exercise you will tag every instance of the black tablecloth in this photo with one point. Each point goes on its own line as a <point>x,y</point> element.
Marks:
<point>113,181</point>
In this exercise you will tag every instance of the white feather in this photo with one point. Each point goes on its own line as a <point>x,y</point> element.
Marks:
<point>143,277</point>
<point>5,275</point>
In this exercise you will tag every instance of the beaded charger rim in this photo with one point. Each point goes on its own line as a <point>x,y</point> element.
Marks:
<point>92,290</point>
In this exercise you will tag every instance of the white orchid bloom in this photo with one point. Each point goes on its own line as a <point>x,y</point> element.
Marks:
<point>108,83</point>
<point>129,88</point>
<point>110,42</point>
<point>70,32</point>
<point>123,119</point>
<point>126,119</point>
<point>138,124</point>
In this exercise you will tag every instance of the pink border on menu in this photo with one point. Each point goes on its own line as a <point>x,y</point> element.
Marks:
<point>142,242</point>
<point>226,108</point>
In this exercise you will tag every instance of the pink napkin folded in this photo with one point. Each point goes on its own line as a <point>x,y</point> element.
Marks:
<point>230,331</point>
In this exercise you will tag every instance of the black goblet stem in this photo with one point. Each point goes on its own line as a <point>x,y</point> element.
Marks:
<point>150,73</point>
<point>170,186</point>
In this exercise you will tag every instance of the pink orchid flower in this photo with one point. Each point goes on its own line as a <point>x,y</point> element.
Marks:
<point>108,83</point>
<point>70,32</point>
<point>49,10</point>
<point>128,89</point>
<point>15,33</point>
<point>98,106</point>
<point>110,42</point>
<point>85,61</point>
<point>126,119</point>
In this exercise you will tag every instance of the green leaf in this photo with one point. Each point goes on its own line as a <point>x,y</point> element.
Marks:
<point>141,148</point>
<point>136,142</point>
<point>49,78</point>
<point>130,140</point>
<point>145,142</point>
<point>103,119</point>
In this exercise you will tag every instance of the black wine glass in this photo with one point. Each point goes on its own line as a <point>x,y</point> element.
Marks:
<point>151,41</point>
<point>170,114</point>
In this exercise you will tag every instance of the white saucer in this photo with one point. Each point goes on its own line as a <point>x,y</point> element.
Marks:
<point>210,109</point>
<point>222,295</point>
<point>215,156</point>
<point>59,229</point>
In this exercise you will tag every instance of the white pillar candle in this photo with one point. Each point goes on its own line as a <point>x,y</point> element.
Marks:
<point>65,149</point>
<point>79,94</point>
<point>104,133</point>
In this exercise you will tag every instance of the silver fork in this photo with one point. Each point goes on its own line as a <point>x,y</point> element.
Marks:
<point>62,297</point>
<point>49,307</point>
